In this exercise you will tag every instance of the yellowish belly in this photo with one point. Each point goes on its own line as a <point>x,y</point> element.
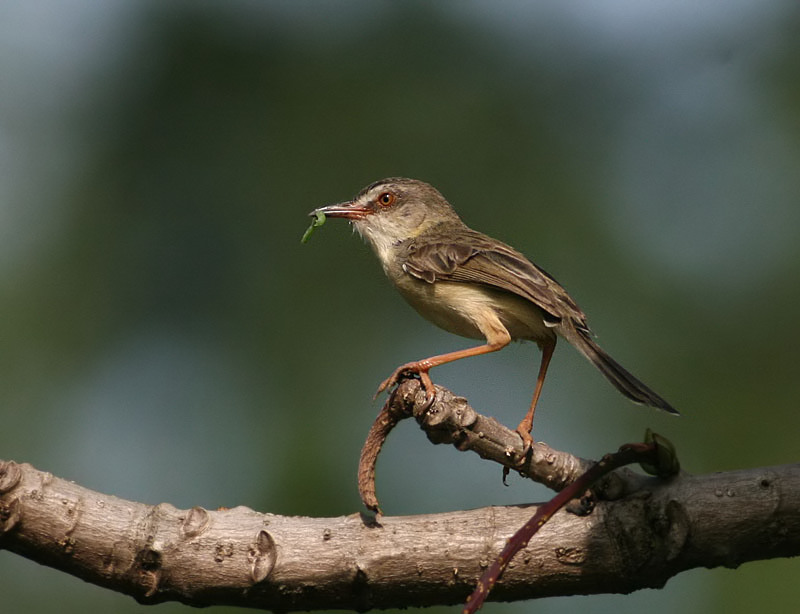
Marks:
<point>472,310</point>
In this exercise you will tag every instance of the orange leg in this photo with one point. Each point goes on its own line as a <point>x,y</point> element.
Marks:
<point>524,428</point>
<point>421,367</point>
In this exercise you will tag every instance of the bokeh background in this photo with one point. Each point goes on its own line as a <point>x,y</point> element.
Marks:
<point>164,336</point>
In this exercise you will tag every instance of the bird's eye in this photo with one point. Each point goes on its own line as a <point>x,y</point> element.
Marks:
<point>386,199</point>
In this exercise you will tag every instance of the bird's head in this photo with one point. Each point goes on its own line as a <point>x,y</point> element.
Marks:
<point>393,210</point>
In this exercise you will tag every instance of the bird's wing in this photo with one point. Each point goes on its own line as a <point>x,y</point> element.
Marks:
<point>484,261</point>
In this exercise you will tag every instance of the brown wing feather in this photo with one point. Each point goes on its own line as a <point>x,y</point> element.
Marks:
<point>481,260</point>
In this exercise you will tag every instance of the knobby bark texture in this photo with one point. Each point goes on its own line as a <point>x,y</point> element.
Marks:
<point>451,420</point>
<point>645,532</point>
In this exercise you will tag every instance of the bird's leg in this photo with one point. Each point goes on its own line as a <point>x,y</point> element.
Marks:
<point>421,367</point>
<point>524,428</point>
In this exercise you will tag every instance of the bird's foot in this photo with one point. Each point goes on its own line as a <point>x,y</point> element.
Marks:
<point>407,370</point>
<point>524,431</point>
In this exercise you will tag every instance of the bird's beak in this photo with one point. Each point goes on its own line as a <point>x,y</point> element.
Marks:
<point>348,210</point>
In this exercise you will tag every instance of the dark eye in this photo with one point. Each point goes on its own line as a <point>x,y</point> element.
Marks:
<point>386,199</point>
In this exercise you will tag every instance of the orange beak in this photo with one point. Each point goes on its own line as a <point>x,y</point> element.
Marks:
<point>348,210</point>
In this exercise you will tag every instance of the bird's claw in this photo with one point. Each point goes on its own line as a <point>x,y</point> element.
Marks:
<point>527,446</point>
<point>392,381</point>
<point>407,371</point>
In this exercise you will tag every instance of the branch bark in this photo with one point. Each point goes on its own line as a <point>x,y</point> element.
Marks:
<point>450,419</point>
<point>242,557</point>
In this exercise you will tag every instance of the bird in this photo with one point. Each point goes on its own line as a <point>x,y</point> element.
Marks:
<point>472,285</point>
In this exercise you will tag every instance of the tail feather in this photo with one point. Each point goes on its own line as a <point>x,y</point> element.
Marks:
<point>625,382</point>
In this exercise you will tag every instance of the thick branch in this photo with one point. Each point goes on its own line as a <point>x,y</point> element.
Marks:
<point>241,557</point>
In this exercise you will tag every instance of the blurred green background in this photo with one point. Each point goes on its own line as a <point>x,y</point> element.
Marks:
<point>165,337</point>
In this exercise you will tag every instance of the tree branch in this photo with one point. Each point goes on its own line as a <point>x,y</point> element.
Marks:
<point>241,557</point>
<point>450,419</point>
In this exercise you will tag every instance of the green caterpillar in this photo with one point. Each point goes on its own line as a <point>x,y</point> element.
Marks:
<point>318,220</point>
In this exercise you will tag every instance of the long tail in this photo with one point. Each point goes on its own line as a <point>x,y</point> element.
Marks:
<point>626,383</point>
